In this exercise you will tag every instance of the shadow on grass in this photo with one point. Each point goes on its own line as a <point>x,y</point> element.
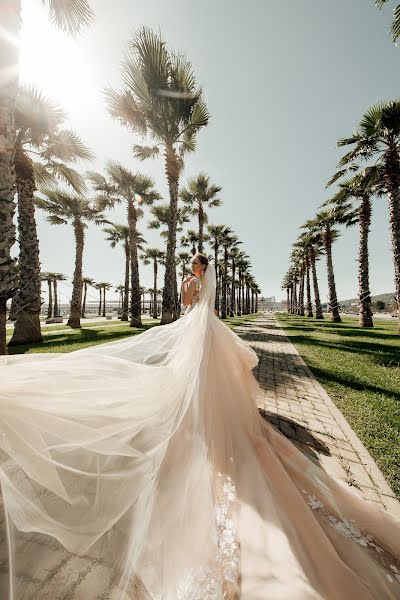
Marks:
<point>80,338</point>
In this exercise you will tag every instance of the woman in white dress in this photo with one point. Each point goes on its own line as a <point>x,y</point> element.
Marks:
<point>145,467</point>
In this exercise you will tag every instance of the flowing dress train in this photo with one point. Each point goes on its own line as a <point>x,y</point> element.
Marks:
<point>142,469</point>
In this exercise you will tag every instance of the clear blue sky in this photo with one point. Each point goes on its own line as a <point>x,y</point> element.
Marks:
<point>283,80</point>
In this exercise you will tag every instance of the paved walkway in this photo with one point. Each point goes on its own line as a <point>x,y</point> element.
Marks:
<point>299,406</point>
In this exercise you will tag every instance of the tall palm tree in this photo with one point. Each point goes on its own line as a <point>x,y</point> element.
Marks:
<point>198,196</point>
<point>155,256</point>
<point>324,222</point>
<point>378,136</point>
<point>298,261</point>
<point>56,277</point>
<point>103,286</point>
<point>227,241</point>
<point>395,28</point>
<point>312,241</point>
<point>161,218</point>
<point>78,211</point>
<point>183,259</point>
<point>86,282</point>
<point>243,265</point>
<point>215,234</point>
<point>286,285</point>
<point>70,16</point>
<point>161,100</point>
<point>355,196</point>
<point>120,289</point>
<point>135,190</point>
<point>234,253</point>
<point>98,287</point>
<point>120,234</point>
<point>38,133</point>
<point>48,278</point>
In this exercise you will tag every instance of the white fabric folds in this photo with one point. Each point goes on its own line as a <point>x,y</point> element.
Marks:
<point>141,469</point>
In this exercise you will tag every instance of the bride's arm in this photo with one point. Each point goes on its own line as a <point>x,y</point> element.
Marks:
<point>188,289</point>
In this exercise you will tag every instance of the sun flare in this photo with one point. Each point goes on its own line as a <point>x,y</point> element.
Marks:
<point>51,60</point>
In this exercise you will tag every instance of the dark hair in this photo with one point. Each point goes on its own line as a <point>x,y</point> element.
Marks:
<point>202,258</point>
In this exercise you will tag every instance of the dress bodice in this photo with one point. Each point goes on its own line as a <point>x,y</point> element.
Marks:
<point>196,295</point>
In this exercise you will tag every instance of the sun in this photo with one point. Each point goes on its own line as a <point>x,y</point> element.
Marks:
<point>51,60</point>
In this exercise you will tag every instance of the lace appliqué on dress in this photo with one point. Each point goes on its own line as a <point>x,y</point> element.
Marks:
<point>196,295</point>
<point>208,582</point>
<point>349,529</point>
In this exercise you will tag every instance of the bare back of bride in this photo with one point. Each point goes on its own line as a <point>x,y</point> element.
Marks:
<point>147,461</point>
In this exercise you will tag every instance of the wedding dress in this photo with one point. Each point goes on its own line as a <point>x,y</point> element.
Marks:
<point>141,469</point>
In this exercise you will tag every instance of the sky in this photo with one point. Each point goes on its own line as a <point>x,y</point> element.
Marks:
<point>283,82</point>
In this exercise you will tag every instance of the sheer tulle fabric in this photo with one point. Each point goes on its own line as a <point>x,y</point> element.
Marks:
<point>146,462</point>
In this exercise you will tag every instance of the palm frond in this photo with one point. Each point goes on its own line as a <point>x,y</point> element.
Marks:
<point>70,16</point>
<point>123,107</point>
<point>67,146</point>
<point>145,152</point>
<point>36,113</point>
<point>43,177</point>
<point>69,176</point>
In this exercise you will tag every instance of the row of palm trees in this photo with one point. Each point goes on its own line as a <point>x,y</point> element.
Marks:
<point>161,102</point>
<point>369,170</point>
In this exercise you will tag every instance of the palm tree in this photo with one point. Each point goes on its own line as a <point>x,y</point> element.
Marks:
<point>355,199</point>
<point>86,282</point>
<point>64,208</point>
<point>227,241</point>
<point>312,242</point>
<point>285,285</point>
<point>242,264</point>
<point>120,233</point>
<point>103,286</point>
<point>161,100</point>
<point>38,132</point>
<point>378,135</point>
<point>98,287</point>
<point>183,259</point>
<point>135,190</point>
<point>298,261</point>
<point>215,234</point>
<point>70,16</point>
<point>48,278</point>
<point>190,240</point>
<point>198,196</point>
<point>324,223</point>
<point>395,29</point>
<point>120,289</point>
<point>234,253</point>
<point>56,277</point>
<point>155,256</point>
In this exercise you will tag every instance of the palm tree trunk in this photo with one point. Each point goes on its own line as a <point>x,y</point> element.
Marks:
<point>170,295</point>
<point>308,287</point>
<point>318,308</point>
<point>301,291</point>
<point>243,296</point>
<point>76,300</point>
<point>239,294</point>
<point>224,284</point>
<point>27,326</point>
<point>365,307</point>
<point>392,180</point>
<point>84,300</point>
<point>9,50</point>
<point>56,311</point>
<point>50,306</point>
<point>136,297</point>
<point>333,303</point>
<point>256,302</point>
<point>125,300</point>
<point>216,248</point>
<point>104,301</point>
<point>233,293</point>
<point>155,289</point>
<point>100,302</point>
<point>201,227</point>
<point>295,306</point>
<point>288,299</point>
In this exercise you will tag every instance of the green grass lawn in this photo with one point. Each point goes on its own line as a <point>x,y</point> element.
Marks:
<point>64,339</point>
<point>360,369</point>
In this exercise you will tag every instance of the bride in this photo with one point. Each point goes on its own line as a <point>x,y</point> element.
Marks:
<point>141,469</point>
